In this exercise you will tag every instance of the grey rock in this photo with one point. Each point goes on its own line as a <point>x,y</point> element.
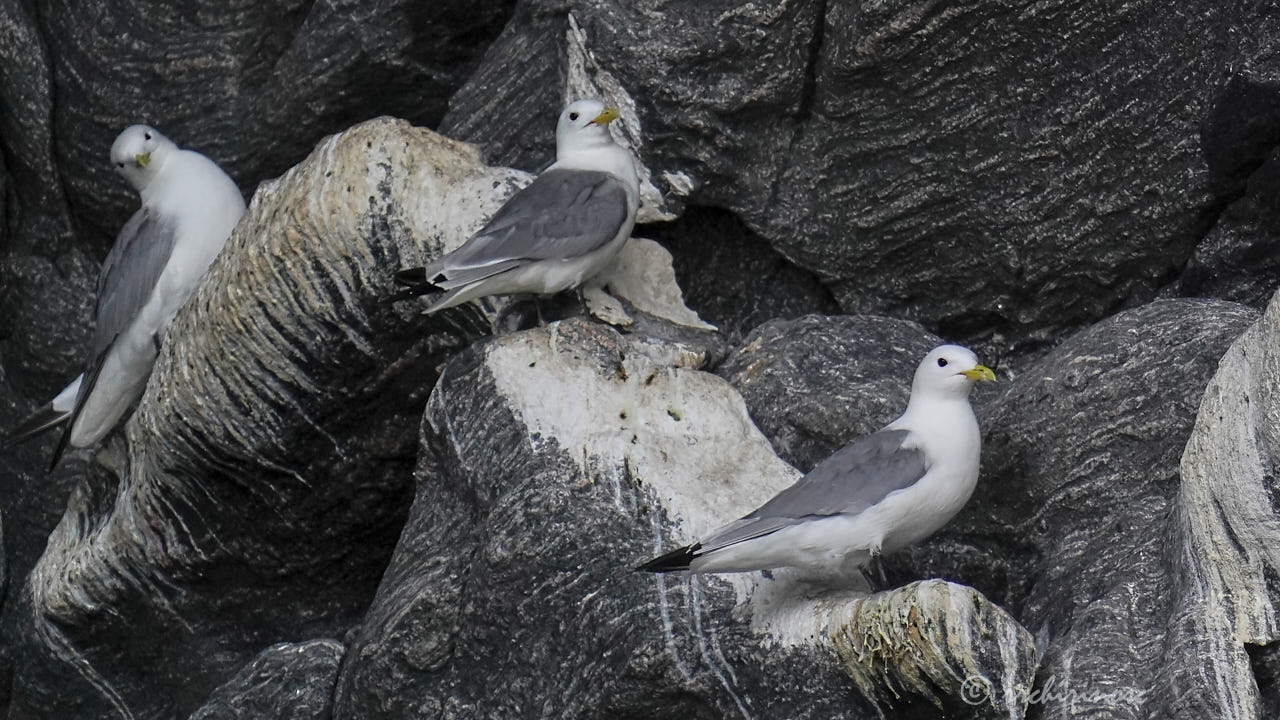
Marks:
<point>1079,471</point>
<point>1239,259</point>
<point>1243,123</point>
<point>533,504</point>
<point>266,474</point>
<point>252,85</point>
<point>532,508</point>
<point>934,646</point>
<point>1265,666</point>
<point>1002,173</point>
<point>816,383</point>
<point>1012,168</point>
<point>509,103</point>
<point>289,681</point>
<point>1223,530</point>
<point>1071,527</point>
<point>733,278</point>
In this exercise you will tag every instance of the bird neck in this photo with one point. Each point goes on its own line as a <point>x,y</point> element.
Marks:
<point>943,422</point>
<point>931,409</point>
<point>606,157</point>
<point>163,162</point>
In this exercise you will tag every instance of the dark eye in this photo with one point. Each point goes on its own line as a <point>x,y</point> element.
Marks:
<point>119,164</point>
<point>942,362</point>
<point>573,116</point>
<point>146,135</point>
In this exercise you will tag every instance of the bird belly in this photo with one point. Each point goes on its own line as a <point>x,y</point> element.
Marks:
<point>120,382</point>
<point>826,546</point>
<point>129,361</point>
<point>548,277</point>
<point>836,544</point>
<point>914,513</point>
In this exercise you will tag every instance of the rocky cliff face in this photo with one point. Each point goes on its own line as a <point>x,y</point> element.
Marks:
<point>331,506</point>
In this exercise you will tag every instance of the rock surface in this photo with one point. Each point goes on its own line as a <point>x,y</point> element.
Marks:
<point>1070,528</point>
<point>268,463</point>
<point>253,85</point>
<point>733,278</point>
<point>533,505</point>
<point>1222,622</point>
<point>816,383</point>
<point>284,682</point>
<point>934,646</point>
<point>1002,174</point>
<point>1240,257</point>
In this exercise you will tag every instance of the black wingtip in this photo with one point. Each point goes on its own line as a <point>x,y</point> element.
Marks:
<point>60,449</point>
<point>415,284</point>
<point>673,561</point>
<point>40,422</point>
<point>412,277</point>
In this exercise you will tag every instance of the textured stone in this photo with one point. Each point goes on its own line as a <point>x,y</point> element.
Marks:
<point>1239,259</point>
<point>533,504</point>
<point>267,466</point>
<point>532,507</point>
<point>1070,526</point>
<point>1073,526</point>
<point>254,85</point>
<point>816,383</point>
<point>934,646</point>
<point>999,172</point>
<point>289,681</point>
<point>1225,535</point>
<point>1021,167</point>
<point>733,278</point>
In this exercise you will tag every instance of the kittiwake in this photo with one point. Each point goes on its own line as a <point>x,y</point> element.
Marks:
<point>189,208</point>
<point>555,233</point>
<point>876,495</point>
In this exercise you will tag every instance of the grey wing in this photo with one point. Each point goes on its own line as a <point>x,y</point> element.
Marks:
<point>129,274</point>
<point>561,214</point>
<point>853,479</point>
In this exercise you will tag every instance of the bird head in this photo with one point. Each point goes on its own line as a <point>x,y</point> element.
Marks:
<point>949,370</point>
<point>139,153</point>
<point>584,124</point>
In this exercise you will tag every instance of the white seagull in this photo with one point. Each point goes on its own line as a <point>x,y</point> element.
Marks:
<point>189,208</point>
<point>876,495</point>
<point>555,233</point>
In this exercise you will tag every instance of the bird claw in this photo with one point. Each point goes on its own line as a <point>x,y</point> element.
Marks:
<point>877,560</point>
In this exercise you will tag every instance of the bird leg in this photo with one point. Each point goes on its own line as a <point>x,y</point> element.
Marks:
<point>877,559</point>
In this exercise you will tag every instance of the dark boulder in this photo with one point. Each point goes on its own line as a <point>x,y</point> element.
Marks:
<point>557,459</point>
<point>1074,527</point>
<point>289,681</point>
<point>267,467</point>
<point>1001,173</point>
<point>815,383</point>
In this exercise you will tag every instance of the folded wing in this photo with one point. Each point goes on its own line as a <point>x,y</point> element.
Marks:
<point>128,277</point>
<point>562,214</point>
<point>853,479</point>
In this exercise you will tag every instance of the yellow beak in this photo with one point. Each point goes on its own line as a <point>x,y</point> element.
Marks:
<point>979,373</point>
<point>142,159</point>
<point>606,117</point>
